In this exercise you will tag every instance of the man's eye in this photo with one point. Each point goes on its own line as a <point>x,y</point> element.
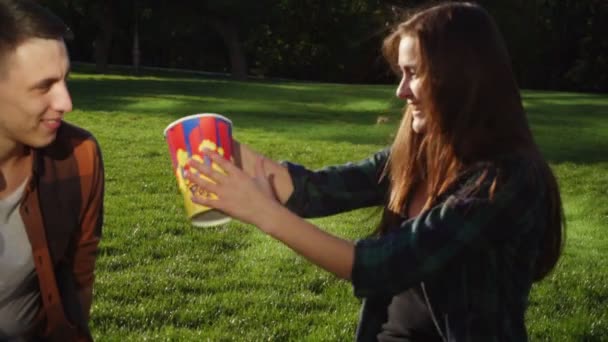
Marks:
<point>44,87</point>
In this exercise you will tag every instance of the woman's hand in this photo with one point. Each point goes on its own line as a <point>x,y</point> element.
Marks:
<point>249,199</point>
<point>247,159</point>
<point>252,200</point>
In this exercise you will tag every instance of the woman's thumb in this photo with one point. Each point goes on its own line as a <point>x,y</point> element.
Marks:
<point>260,172</point>
<point>262,179</point>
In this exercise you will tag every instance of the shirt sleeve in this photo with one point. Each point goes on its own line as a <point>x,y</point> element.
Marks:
<point>337,189</point>
<point>91,218</point>
<point>423,245</point>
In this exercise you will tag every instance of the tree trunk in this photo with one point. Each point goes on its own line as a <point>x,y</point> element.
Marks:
<point>136,51</point>
<point>103,13</point>
<point>229,33</point>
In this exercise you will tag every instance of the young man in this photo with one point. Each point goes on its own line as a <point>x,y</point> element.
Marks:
<point>51,184</point>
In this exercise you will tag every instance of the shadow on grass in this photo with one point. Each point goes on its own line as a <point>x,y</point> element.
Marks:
<point>193,95</point>
<point>277,107</point>
<point>569,127</point>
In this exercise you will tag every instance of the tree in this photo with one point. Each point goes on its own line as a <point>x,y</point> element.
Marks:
<point>103,13</point>
<point>554,44</point>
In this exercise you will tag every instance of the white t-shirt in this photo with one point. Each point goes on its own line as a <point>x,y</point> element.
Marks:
<point>19,289</point>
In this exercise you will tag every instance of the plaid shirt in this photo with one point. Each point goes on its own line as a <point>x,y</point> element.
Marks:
<point>473,255</point>
<point>62,210</point>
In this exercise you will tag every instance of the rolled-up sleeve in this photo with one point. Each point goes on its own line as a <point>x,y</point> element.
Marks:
<point>337,189</point>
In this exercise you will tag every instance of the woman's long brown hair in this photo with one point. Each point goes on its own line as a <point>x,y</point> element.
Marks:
<point>473,109</point>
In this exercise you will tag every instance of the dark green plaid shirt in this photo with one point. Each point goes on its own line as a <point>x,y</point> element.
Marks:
<point>473,254</point>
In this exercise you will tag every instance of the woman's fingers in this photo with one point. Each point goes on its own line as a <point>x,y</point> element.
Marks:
<point>207,170</point>
<point>210,179</point>
<point>203,184</point>
<point>224,164</point>
<point>205,201</point>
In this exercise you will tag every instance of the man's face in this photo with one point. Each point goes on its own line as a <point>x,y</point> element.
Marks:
<point>33,92</point>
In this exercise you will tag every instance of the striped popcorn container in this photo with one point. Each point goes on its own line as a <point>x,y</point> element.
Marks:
<point>187,138</point>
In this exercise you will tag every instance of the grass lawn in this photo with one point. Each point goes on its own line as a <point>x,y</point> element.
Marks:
<point>160,279</point>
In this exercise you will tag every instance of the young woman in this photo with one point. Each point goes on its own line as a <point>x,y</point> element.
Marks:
<point>472,213</point>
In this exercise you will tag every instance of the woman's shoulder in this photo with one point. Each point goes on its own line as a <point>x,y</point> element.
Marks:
<point>508,164</point>
<point>505,172</point>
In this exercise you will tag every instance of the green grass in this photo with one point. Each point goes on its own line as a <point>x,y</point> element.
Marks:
<point>160,279</point>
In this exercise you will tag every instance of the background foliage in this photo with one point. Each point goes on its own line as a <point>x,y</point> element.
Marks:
<point>555,44</point>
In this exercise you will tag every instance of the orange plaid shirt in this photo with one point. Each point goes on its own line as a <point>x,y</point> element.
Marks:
<point>62,210</point>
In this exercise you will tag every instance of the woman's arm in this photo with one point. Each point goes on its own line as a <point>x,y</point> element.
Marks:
<point>250,200</point>
<point>327,251</point>
<point>327,191</point>
<point>393,262</point>
<point>277,174</point>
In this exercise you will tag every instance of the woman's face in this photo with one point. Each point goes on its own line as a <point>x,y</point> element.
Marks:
<point>409,88</point>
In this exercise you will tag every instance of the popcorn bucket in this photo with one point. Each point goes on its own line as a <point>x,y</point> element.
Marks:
<point>187,138</point>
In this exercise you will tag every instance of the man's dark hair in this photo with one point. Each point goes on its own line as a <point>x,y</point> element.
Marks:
<point>24,19</point>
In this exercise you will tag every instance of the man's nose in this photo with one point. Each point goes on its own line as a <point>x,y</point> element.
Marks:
<point>62,101</point>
